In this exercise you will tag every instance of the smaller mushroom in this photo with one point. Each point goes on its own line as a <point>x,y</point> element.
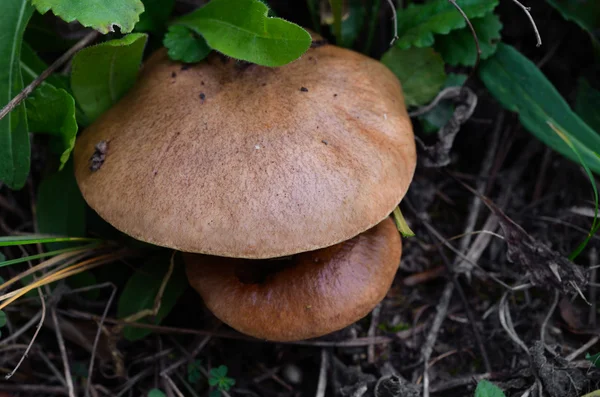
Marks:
<point>303,296</point>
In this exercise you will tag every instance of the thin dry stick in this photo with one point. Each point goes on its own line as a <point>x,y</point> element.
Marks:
<point>535,29</point>
<point>63,353</point>
<point>322,385</point>
<point>21,330</point>
<point>453,2</point>
<point>547,318</point>
<point>97,338</point>
<point>395,20</point>
<point>583,349</point>
<point>371,333</point>
<point>46,73</point>
<point>35,334</point>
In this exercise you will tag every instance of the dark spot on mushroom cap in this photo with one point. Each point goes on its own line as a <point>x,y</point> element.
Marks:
<point>334,95</point>
<point>318,43</point>
<point>202,96</point>
<point>185,66</point>
<point>303,89</point>
<point>173,74</point>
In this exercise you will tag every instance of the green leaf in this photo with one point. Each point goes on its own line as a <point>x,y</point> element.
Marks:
<point>193,372</point>
<point>587,104</point>
<point>594,359</point>
<point>102,74</point>
<point>521,87</point>
<point>52,111</point>
<point>215,393</point>
<point>101,15</point>
<point>185,45</point>
<point>2,318</point>
<point>14,134</point>
<point>241,29</point>
<point>32,66</point>
<point>437,117</point>
<point>60,206</point>
<point>458,47</point>
<point>418,23</point>
<point>141,289</point>
<point>488,389</point>
<point>155,15</point>
<point>585,13</point>
<point>336,11</point>
<point>420,70</point>
<point>156,393</point>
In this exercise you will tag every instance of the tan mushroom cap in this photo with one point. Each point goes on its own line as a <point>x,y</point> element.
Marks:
<point>246,161</point>
<point>319,292</point>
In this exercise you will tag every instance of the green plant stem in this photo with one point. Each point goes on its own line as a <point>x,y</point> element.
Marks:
<point>314,15</point>
<point>372,24</point>
<point>336,9</point>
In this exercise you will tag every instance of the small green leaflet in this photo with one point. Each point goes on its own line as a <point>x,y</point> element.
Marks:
<point>242,29</point>
<point>218,377</point>
<point>420,71</point>
<point>486,388</point>
<point>185,45</point>
<point>417,24</point>
<point>141,289</point>
<point>458,47</point>
<point>521,87</point>
<point>103,73</point>
<point>101,15</point>
<point>594,359</point>
<point>52,111</point>
<point>14,134</point>
<point>156,393</point>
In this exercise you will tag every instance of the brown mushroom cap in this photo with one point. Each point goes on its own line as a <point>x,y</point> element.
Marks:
<point>246,161</point>
<point>318,292</point>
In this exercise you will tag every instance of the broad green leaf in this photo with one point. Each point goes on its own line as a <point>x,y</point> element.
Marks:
<point>521,87</point>
<point>52,111</point>
<point>60,206</point>
<point>32,66</point>
<point>101,15</point>
<point>458,47</point>
<point>594,359</point>
<point>141,289</point>
<point>587,104</point>
<point>241,29</point>
<point>185,45</point>
<point>14,137</point>
<point>585,13</point>
<point>417,24</point>
<point>103,73</point>
<point>155,15</point>
<point>420,71</point>
<point>156,393</point>
<point>486,388</point>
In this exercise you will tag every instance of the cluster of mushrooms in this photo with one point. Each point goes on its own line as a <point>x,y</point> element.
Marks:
<point>276,183</point>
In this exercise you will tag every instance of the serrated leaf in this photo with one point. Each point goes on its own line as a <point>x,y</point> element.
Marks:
<point>241,29</point>
<point>141,289</point>
<point>521,87</point>
<point>14,134</point>
<point>52,111</point>
<point>103,73</point>
<point>101,15</point>
<point>155,15</point>
<point>185,45</point>
<point>587,104</point>
<point>420,71</point>
<point>417,24</point>
<point>585,13</point>
<point>458,47</point>
<point>488,389</point>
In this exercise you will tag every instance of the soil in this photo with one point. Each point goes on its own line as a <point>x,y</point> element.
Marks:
<point>485,289</point>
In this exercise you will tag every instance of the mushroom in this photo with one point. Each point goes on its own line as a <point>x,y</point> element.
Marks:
<point>236,164</point>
